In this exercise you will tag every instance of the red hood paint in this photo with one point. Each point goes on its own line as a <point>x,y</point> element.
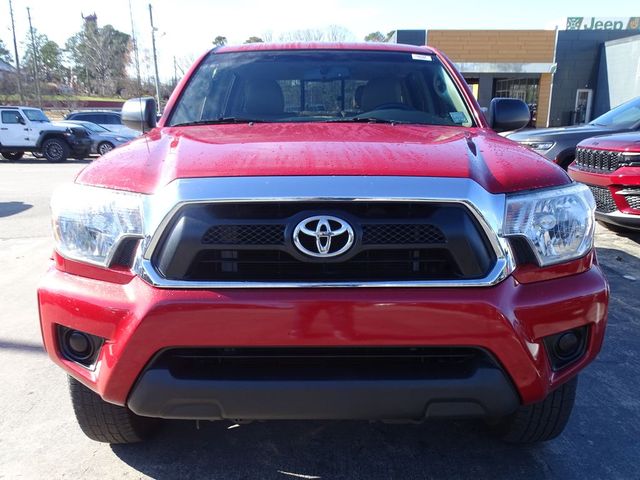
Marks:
<point>622,142</point>
<point>287,149</point>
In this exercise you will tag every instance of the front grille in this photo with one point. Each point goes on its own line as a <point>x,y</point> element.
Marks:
<point>399,234</point>
<point>597,160</point>
<point>313,363</point>
<point>372,234</point>
<point>244,235</point>
<point>370,265</point>
<point>393,241</point>
<point>604,199</point>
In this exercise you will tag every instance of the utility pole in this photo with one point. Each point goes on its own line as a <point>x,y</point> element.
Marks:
<point>175,72</point>
<point>135,47</point>
<point>155,58</point>
<point>36,67</point>
<point>15,51</point>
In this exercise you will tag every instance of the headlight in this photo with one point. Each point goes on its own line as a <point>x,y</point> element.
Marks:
<point>630,159</point>
<point>89,222</point>
<point>558,223</point>
<point>542,146</point>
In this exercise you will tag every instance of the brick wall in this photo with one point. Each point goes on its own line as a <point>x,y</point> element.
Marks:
<point>544,92</point>
<point>521,46</point>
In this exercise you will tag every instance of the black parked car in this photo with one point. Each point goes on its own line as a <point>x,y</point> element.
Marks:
<point>559,144</point>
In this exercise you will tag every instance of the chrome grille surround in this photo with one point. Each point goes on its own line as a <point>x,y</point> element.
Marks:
<point>160,208</point>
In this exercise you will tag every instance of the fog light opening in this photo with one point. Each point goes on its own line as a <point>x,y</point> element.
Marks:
<point>79,344</point>
<point>79,347</point>
<point>566,347</point>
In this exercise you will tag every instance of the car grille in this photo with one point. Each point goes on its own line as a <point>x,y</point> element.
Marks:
<point>597,160</point>
<point>394,241</point>
<point>313,363</point>
<point>384,234</point>
<point>604,199</point>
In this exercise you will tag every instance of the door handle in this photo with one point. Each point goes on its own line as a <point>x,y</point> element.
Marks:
<point>4,128</point>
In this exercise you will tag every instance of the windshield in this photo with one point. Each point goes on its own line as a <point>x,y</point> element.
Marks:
<point>626,115</point>
<point>35,115</point>
<point>321,86</point>
<point>94,127</point>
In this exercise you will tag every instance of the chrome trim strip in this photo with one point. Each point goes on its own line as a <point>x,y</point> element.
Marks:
<point>161,207</point>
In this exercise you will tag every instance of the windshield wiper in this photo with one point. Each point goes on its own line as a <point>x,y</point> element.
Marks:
<point>219,121</point>
<point>365,120</point>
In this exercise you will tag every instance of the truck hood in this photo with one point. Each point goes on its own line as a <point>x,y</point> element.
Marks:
<point>622,142</point>
<point>303,149</point>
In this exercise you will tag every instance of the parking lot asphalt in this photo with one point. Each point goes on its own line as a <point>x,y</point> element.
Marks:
<point>39,437</point>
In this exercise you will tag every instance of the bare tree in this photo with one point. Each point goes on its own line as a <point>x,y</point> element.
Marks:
<point>337,33</point>
<point>304,35</point>
<point>332,33</point>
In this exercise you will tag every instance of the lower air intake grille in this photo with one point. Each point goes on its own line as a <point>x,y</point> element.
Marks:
<point>604,199</point>
<point>321,363</point>
<point>633,201</point>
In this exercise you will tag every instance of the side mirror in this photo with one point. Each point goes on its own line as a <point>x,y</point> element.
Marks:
<point>21,119</point>
<point>507,114</point>
<point>139,114</point>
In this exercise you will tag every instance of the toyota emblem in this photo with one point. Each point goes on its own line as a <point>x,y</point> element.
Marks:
<point>323,236</point>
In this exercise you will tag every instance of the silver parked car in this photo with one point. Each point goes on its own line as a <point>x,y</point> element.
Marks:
<point>103,140</point>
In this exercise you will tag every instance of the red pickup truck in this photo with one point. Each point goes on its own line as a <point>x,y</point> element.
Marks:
<point>323,231</point>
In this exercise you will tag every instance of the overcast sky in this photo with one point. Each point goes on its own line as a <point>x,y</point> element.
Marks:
<point>187,27</point>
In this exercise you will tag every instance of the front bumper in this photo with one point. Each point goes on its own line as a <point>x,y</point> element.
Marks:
<point>508,320</point>
<point>80,147</point>
<point>616,183</point>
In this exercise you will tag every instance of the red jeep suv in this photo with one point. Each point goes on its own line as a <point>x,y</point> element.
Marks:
<point>323,231</point>
<point>610,166</point>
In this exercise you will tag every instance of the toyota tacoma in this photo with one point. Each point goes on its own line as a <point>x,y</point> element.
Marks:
<point>323,231</point>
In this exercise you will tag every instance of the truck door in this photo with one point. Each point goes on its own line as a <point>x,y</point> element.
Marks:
<point>14,130</point>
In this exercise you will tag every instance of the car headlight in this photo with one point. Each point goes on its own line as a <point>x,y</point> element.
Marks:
<point>558,223</point>
<point>542,146</point>
<point>89,223</point>
<point>630,159</point>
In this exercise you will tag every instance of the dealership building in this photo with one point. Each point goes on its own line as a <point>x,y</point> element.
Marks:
<point>567,76</point>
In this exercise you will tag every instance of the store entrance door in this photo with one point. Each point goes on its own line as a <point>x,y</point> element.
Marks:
<point>582,113</point>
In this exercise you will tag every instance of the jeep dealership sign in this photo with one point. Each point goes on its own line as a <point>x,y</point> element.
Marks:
<point>603,23</point>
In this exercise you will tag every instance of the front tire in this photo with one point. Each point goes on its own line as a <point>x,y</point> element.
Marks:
<point>105,147</point>
<point>55,150</point>
<point>540,421</point>
<point>13,155</point>
<point>104,422</point>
